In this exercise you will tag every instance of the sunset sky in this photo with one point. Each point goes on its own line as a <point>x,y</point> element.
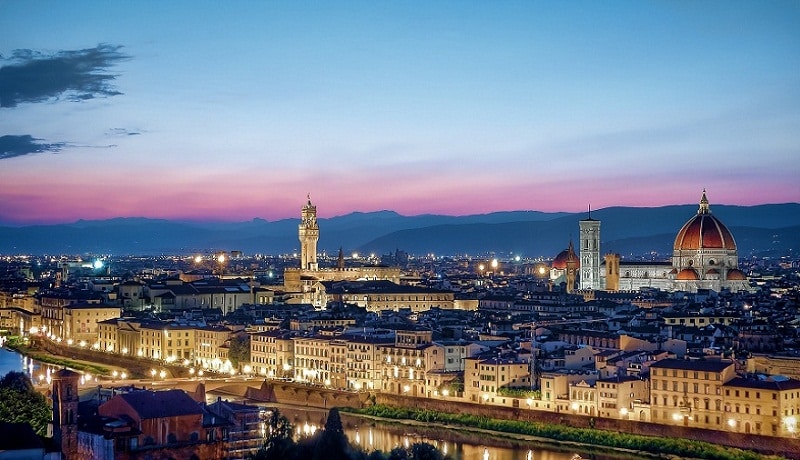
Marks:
<point>203,110</point>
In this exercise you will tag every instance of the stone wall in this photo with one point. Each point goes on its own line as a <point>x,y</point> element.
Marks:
<point>767,444</point>
<point>303,395</point>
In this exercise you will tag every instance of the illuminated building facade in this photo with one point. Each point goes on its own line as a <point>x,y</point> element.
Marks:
<point>589,254</point>
<point>303,279</point>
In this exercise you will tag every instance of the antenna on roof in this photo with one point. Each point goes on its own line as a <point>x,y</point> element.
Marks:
<point>590,211</point>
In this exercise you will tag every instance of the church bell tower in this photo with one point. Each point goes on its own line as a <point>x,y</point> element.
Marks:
<point>590,253</point>
<point>308,233</point>
<point>65,411</point>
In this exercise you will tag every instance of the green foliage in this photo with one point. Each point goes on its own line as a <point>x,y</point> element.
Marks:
<point>683,448</point>
<point>20,403</point>
<point>93,368</point>
<point>523,393</point>
<point>19,343</point>
<point>17,381</point>
<point>239,351</point>
<point>16,342</point>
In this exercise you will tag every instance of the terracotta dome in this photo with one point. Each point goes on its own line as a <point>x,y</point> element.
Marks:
<point>736,275</point>
<point>688,274</point>
<point>560,262</point>
<point>713,271</point>
<point>704,231</point>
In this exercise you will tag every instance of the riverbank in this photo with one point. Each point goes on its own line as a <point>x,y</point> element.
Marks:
<point>462,434</point>
<point>49,358</point>
<point>652,447</point>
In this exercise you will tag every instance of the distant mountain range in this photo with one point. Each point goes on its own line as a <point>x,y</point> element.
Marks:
<point>763,229</point>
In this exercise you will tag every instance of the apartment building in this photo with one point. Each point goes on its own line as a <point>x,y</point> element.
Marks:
<point>81,321</point>
<point>484,377</point>
<point>404,363</point>
<point>689,392</point>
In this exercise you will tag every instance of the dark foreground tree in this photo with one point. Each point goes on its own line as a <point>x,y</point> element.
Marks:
<point>21,403</point>
<point>332,443</point>
<point>279,444</point>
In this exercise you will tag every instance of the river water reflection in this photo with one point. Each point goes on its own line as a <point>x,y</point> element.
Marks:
<point>13,361</point>
<point>372,435</point>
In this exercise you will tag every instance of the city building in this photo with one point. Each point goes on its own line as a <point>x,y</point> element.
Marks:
<point>485,378</point>
<point>303,279</point>
<point>246,432</point>
<point>81,320</point>
<point>704,256</point>
<point>381,295</point>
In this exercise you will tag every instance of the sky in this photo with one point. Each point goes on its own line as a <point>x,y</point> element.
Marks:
<point>229,111</point>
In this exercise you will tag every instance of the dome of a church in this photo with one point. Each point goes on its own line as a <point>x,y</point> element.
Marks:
<point>704,231</point>
<point>736,275</point>
<point>687,274</point>
<point>560,262</point>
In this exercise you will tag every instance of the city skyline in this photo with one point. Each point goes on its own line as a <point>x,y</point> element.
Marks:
<point>237,111</point>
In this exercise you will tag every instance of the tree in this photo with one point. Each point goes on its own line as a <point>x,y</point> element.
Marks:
<point>239,349</point>
<point>279,444</point>
<point>398,453</point>
<point>332,443</point>
<point>425,451</point>
<point>21,403</point>
<point>16,381</point>
<point>417,451</point>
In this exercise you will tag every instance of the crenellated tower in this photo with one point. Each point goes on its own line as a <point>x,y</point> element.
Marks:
<point>308,232</point>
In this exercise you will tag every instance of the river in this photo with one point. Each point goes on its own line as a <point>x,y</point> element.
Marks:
<point>11,360</point>
<point>376,435</point>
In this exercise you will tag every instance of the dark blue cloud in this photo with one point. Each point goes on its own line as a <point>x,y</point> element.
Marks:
<point>16,146</point>
<point>77,75</point>
<point>123,132</point>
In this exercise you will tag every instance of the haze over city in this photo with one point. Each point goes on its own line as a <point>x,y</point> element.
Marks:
<point>234,111</point>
